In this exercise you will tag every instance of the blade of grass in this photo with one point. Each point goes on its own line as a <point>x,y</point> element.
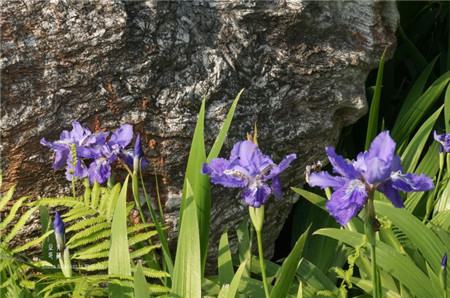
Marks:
<point>372,125</point>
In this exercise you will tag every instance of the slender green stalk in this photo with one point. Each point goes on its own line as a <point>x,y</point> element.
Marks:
<point>261,263</point>
<point>158,225</point>
<point>257,218</point>
<point>432,198</point>
<point>371,235</point>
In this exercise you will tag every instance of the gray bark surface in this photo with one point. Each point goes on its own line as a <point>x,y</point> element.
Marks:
<point>103,63</point>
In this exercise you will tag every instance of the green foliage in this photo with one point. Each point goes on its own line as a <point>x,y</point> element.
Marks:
<point>16,278</point>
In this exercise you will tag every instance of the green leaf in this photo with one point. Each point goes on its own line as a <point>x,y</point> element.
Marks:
<point>220,139</point>
<point>446,110</point>
<point>141,289</point>
<point>199,183</point>
<point>7,197</point>
<point>18,226</point>
<point>314,278</point>
<point>186,278</point>
<point>372,125</point>
<point>231,291</point>
<point>428,166</point>
<point>408,120</point>
<point>315,199</point>
<point>119,255</point>
<point>32,243</point>
<point>288,269</point>
<point>428,243</point>
<point>225,263</point>
<point>244,242</point>
<point>389,260</point>
<point>412,153</point>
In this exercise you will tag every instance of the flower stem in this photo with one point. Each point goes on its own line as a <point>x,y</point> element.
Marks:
<point>371,235</point>
<point>261,263</point>
<point>257,218</point>
<point>432,198</point>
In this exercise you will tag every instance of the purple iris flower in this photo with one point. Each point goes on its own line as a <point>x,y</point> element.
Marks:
<point>250,169</point>
<point>133,157</point>
<point>104,155</point>
<point>444,140</point>
<point>82,138</point>
<point>58,227</point>
<point>376,169</point>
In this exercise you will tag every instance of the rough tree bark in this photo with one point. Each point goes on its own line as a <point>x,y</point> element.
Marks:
<point>303,65</point>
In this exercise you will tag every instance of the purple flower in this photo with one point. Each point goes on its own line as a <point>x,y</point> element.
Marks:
<point>376,169</point>
<point>444,140</point>
<point>444,261</point>
<point>58,227</point>
<point>80,137</point>
<point>104,155</point>
<point>250,169</point>
<point>132,158</point>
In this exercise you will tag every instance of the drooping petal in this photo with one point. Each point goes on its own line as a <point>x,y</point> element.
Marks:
<point>382,147</point>
<point>220,173</point>
<point>324,180</point>
<point>61,157</point>
<point>340,165</point>
<point>80,170</point>
<point>444,140</point>
<point>391,193</point>
<point>122,136</point>
<point>276,188</point>
<point>411,182</point>
<point>99,170</point>
<point>347,201</point>
<point>283,165</point>
<point>256,196</point>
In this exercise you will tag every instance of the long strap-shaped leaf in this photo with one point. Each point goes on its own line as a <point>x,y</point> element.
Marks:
<point>119,255</point>
<point>288,269</point>
<point>186,278</point>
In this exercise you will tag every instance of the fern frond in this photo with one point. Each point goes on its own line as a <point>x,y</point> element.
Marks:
<point>143,251</point>
<point>158,289</point>
<point>86,223</point>
<point>7,197</point>
<point>90,256</point>
<point>32,243</point>
<point>152,273</point>
<point>95,247</point>
<point>61,201</point>
<point>91,230</point>
<point>12,213</point>
<point>78,213</point>
<point>139,227</point>
<point>18,226</point>
<point>81,288</point>
<point>141,237</point>
<point>90,239</point>
<point>103,265</point>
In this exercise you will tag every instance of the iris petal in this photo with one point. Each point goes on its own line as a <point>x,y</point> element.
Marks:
<point>220,172</point>
<point>324,180</point>
<point>257,196</point>
<point>283,165</point>
<point>391,193</point>
<point>340,165</point>
<point>122,136</point>
<point>382,147</point>
<point>347,201</point>
<point>411,182</point>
